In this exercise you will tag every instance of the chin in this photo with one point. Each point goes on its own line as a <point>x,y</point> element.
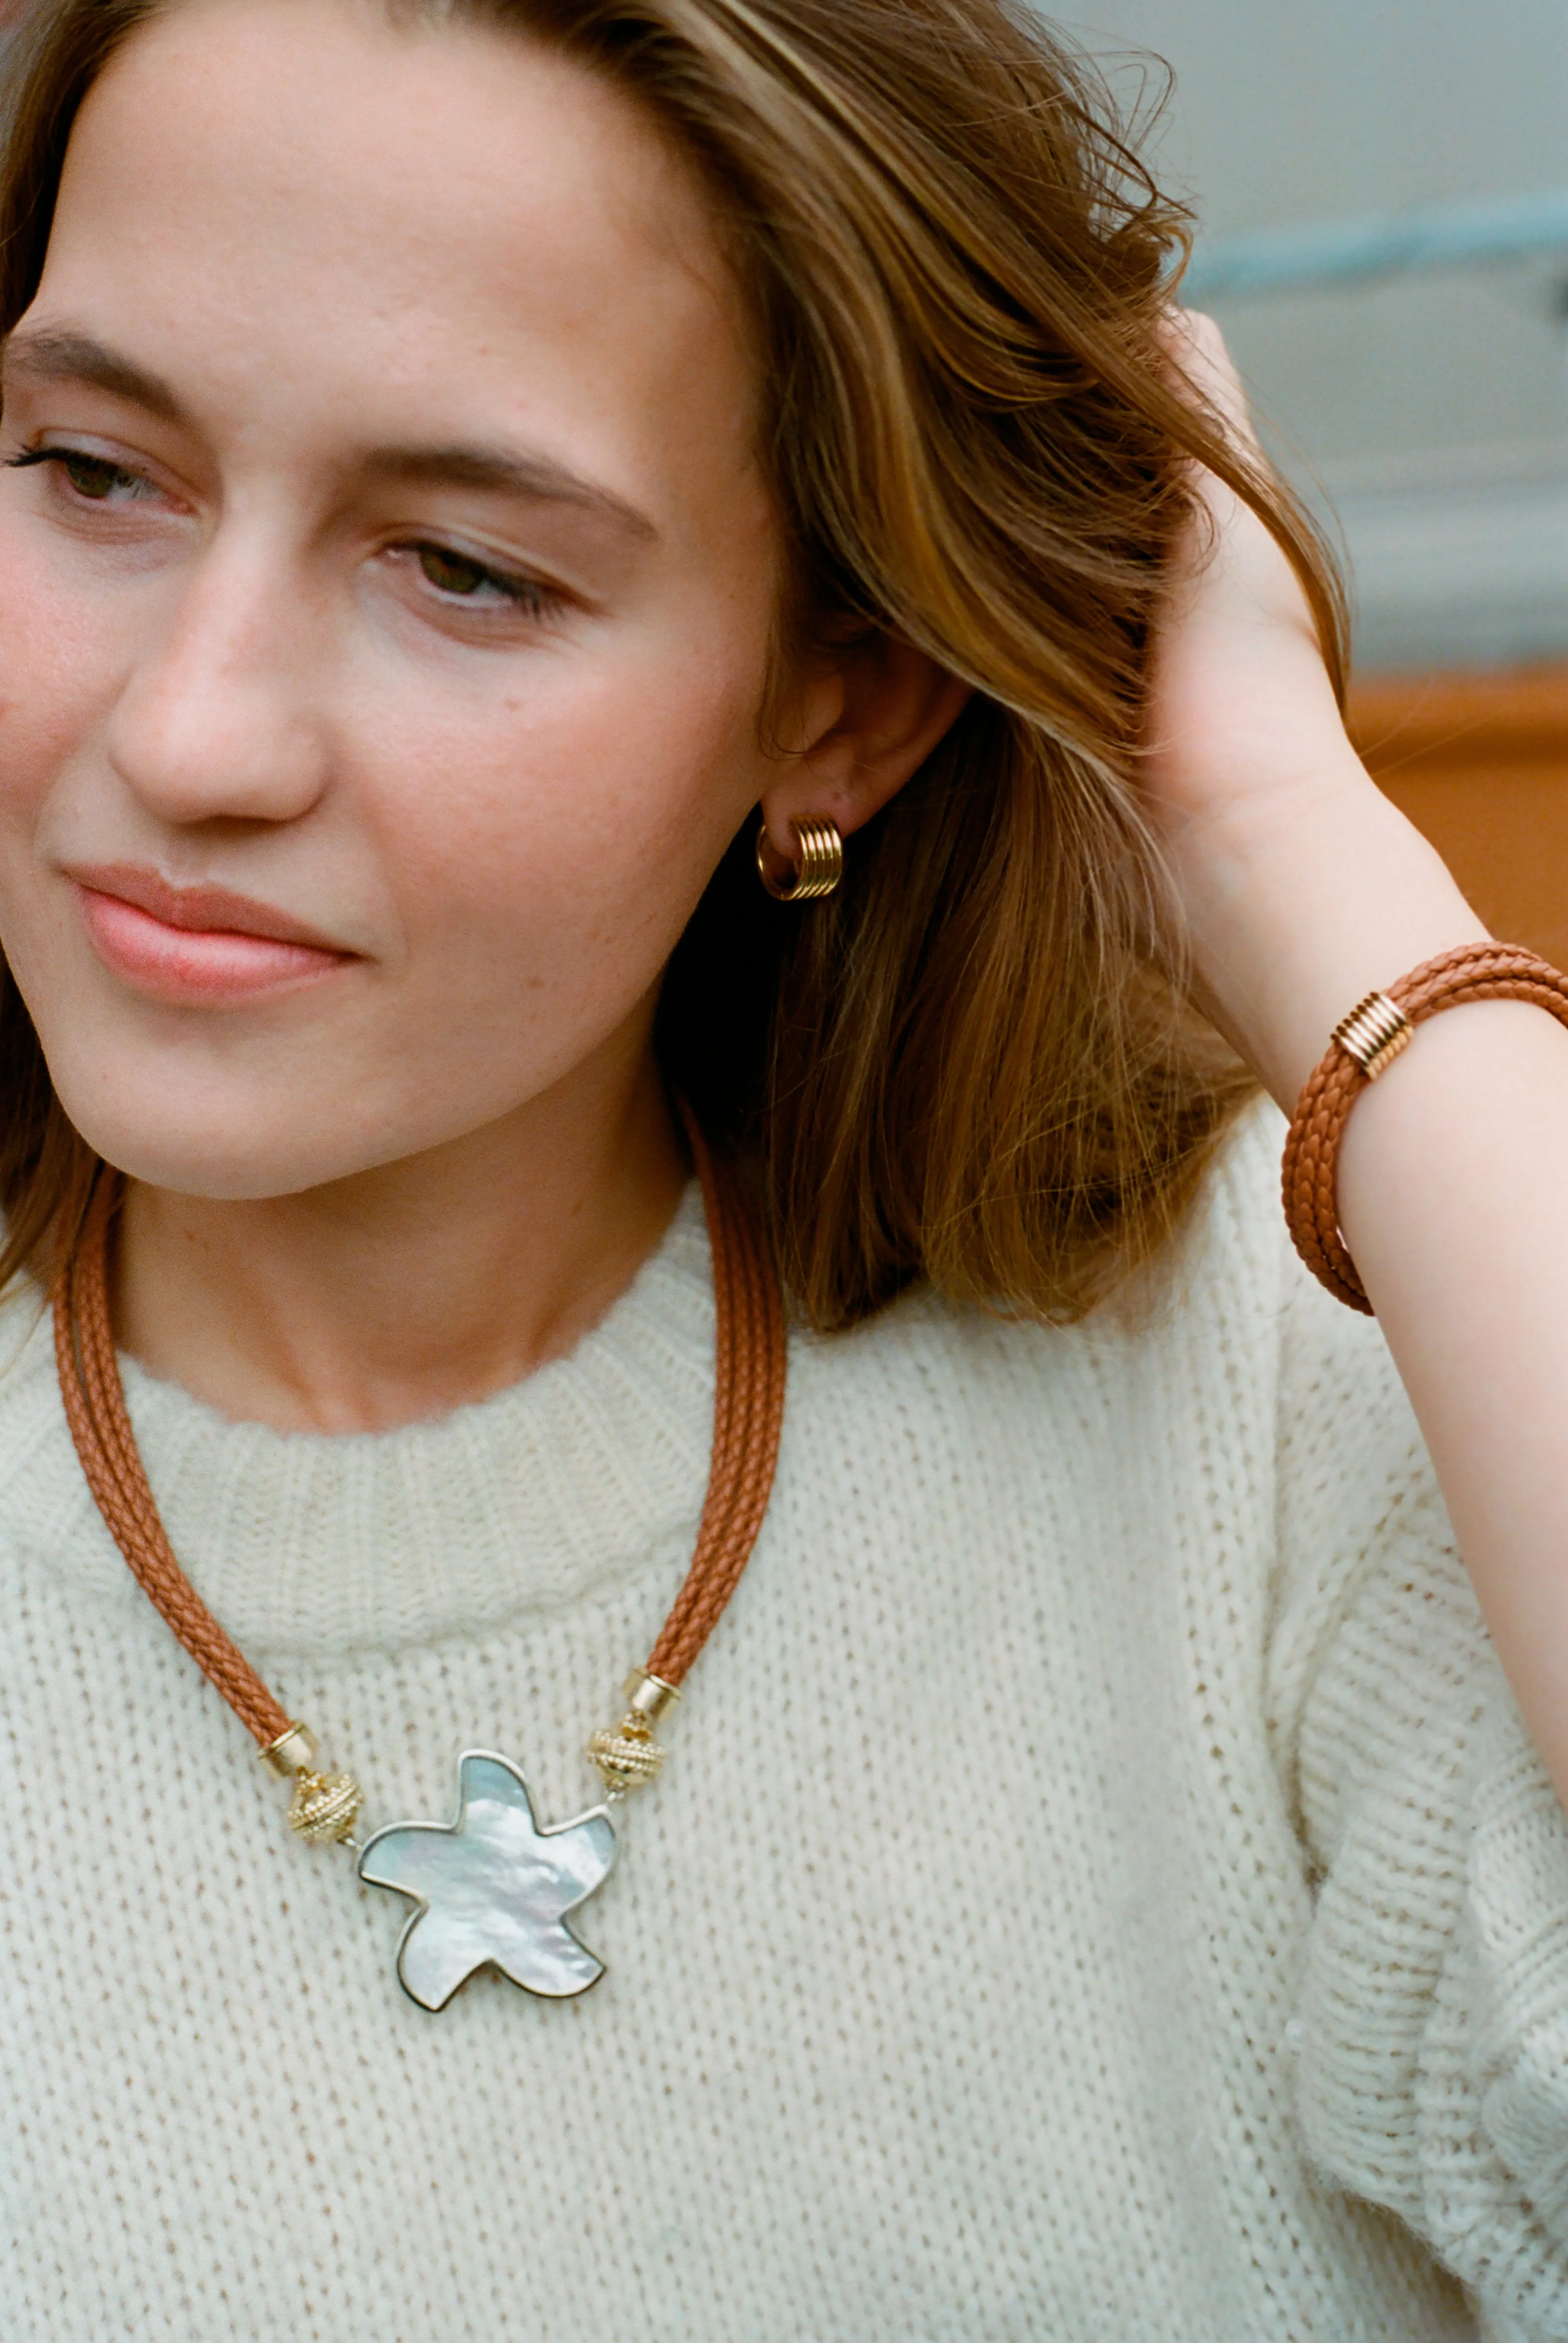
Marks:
<point>222,1171</point>
<point>216,1147</point>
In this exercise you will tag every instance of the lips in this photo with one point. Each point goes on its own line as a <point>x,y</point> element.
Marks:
<point>201,946</point>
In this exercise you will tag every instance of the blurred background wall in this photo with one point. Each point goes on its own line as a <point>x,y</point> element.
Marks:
<point>1425,411</point>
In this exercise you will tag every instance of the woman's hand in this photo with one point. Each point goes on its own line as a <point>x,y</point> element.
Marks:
<point>1303,886</point>
<point>1304,889</point>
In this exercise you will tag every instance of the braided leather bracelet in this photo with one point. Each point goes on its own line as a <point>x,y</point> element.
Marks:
<point>1364,1046</point>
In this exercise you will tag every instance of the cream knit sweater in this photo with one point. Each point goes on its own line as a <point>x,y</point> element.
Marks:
<point>1101,1888</point>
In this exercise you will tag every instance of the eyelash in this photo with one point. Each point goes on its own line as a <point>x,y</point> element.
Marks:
<point>527,595</point>
<point>64,457</point>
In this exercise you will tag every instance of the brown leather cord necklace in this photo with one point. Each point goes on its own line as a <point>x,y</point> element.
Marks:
<point>493,1885</point>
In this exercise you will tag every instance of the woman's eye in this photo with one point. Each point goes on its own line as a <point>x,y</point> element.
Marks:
<point>97,479</point>
<point>104,483</point>
<point>467,580</point>
<point>454,573</point>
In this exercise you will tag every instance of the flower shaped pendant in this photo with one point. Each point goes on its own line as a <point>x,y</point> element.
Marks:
<point>492,1887</point>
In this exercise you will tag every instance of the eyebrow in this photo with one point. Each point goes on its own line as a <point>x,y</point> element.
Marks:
<point>54,354</point>
<point>49,354</point>
<point>537,479</point>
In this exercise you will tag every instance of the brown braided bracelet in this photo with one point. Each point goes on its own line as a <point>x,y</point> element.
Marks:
<point>1367,1041</point>
<point>748,1413</point>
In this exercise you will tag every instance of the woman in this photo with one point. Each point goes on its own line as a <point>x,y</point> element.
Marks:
<point>465,461</point>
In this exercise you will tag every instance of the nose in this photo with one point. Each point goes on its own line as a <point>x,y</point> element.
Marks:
<point>217,720</point>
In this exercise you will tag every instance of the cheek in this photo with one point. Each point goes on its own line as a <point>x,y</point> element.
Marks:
<point>556,843</point>
<point>63,656</point>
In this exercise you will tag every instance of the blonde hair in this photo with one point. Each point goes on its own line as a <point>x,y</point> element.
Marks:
<point>975,1064</point>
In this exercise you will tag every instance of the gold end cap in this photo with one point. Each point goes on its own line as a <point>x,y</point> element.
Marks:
<point>292,1752</point>
<point>649,1696</point>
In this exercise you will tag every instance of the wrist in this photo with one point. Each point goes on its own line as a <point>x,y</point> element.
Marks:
<point>1299,904</point>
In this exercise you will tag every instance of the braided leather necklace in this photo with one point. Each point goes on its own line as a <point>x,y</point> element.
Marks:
<point>493,1885</point>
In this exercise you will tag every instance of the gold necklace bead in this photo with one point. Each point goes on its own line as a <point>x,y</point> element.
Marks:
<point>323,1805</point>
<point>627,1755</point>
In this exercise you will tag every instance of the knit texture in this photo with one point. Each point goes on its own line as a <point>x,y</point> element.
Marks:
<point>1099,1888</point>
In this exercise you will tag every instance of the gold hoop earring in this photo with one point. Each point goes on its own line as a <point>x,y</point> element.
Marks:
<point>819,866</point>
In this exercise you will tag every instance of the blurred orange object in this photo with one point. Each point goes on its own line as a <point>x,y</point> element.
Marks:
<point>1479,763</point>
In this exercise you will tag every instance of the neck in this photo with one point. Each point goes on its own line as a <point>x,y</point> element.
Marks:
<point>414,1288</point>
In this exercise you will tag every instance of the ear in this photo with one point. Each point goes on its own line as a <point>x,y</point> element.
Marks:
<point>870,711</point>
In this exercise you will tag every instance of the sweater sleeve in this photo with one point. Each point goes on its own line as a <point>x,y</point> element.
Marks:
<point>1434,2018</point>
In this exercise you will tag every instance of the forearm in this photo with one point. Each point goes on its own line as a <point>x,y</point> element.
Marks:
<point>1451,1177</point>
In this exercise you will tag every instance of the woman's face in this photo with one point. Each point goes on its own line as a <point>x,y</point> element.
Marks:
<point>384,548</point>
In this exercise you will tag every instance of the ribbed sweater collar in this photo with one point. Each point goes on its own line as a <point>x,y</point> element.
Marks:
<point>537,1498</point>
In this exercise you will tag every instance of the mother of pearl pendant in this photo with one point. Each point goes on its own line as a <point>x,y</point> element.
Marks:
<point>492,1887</point>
